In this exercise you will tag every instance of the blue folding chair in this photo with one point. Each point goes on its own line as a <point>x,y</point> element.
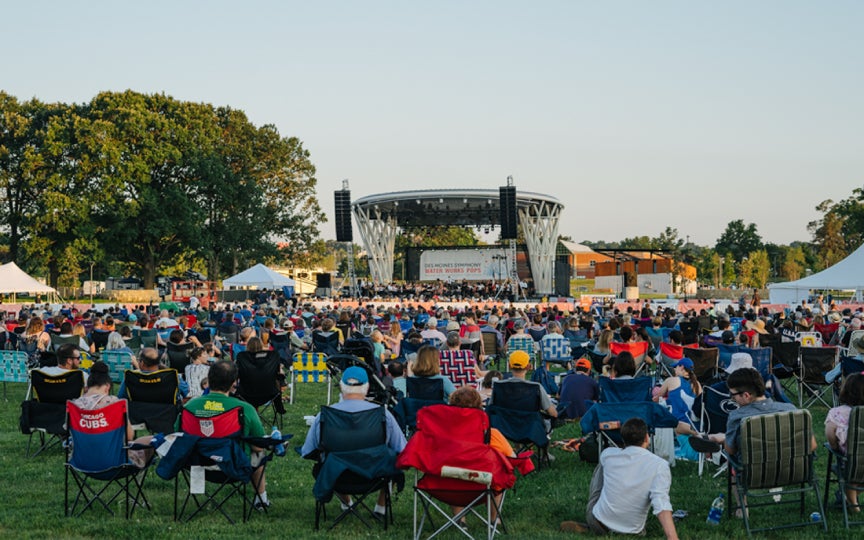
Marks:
<point>625,390</point>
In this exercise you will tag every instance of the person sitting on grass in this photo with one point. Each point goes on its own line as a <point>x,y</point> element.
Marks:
<point>626,483</point>
<point>837,424</point>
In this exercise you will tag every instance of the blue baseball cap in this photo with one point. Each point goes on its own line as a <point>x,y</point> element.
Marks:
<point>355,376</point>
<point>686,362</point>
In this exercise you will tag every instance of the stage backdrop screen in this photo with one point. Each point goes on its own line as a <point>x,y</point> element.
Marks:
<point>459,264</point>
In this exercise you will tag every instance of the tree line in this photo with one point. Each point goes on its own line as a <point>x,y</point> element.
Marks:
<point>139,184</point>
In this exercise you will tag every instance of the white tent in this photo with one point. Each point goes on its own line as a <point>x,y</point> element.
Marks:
<point>13,280</point>
<point>260,277</point>
<point>847,274</point>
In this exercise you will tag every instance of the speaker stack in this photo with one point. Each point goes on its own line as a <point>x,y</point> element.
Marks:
<point>343,216</point>
<point>323,284</point>
<point>509,221</point>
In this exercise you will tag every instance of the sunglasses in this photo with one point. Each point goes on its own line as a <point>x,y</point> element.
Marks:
<point>733,394</point>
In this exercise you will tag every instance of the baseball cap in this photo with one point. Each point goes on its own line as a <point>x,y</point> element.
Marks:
<point>686,362</point>
<point>132,317</point>
<point>519,359</point>
<point>355,376</point>
<point>452,325</point>
<point>287,323</point>
<point>728,336</point>
<point>583,363</point>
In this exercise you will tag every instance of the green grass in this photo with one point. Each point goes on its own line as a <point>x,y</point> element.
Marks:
<point>31,496</point>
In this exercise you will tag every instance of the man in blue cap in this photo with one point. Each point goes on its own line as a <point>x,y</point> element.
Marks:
<point>354,386</point>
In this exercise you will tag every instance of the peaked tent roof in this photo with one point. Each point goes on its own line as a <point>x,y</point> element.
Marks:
<point>15,280</point>
<point>846,274</point>
<point>258,276</point>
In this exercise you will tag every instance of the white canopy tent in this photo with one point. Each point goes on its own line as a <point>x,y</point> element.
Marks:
<point>847,274</point>
<point>13,281</point>
<point>258,277</point>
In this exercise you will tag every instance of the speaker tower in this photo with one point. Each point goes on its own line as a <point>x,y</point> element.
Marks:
<point>509,220</point>
<point>343,216</point>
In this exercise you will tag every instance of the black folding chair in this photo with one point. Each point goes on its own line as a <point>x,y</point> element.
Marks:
<point>153,399</point>
<point>178,355</point>
<point>815,363</point>
<point>514,410</point>
<point>705,362</point>
<point>419,392</point>
<point>44,411</point>
<point>259,382</point>
<point>353,459</point>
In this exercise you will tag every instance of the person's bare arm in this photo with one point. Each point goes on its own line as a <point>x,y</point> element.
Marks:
<point>668,523</point>
<point>552,411</point>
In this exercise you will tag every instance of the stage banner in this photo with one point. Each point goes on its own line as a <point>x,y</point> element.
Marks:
<point>459,264</point>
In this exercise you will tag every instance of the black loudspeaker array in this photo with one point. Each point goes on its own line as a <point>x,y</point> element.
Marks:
<point>322,281</point>
<point>508,212</point>
<point>343,216</point>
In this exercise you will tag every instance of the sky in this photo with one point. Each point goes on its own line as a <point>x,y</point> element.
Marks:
<point>636,115</point>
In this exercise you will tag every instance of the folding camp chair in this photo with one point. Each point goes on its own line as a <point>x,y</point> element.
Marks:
<point>329,345</point>
<point>57,341</point>
<point>153,399</point>
<point>458,366</point>
<point>689,331</point>
<point>99,338</point>
<point>854,349</point>
<point>639,351</point>
<point>490,345</point>
<point>282,345</point>
<point>378,392</point>
<point>458,468</point>
<point>761,360</point>
<point>212,447</point>
<point>259,383</point>
<point>828,332</point>
<point>514,410</point>
<point>118,362</point>
<point>725,353</point>
<point>607,419</point>
<point>704,362</point>
<point>419,392</point>
<point>596,361</point>
<point>148,338</point>
<point>785,361</point>
<point>815,363</point>
<point>309,368</point>
<point>849,471</point>
<point>555,349</point>
<point>668,354</point>
<point>44,410</point>
<point>775,452</point>
<point>178,355</point>
<point>98,451</point>
<point>625,390</point>
<point>713,407</point>
<point>353,459</point>
<point>523,343</point>
<point>13,368</point>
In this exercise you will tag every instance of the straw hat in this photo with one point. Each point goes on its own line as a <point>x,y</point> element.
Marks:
<point>758,325</point>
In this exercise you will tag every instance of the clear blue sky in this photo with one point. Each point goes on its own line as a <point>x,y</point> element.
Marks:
<point>637,115</point>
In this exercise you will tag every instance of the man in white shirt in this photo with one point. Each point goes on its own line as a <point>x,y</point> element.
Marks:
<point>627,482</point>
<point>432,332</point>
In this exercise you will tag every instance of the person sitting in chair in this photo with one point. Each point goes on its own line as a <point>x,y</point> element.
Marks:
<point>148,362</point>
<point>626,482</point>
<point>519,362</point>
<point>68,359</point>
<point>354,386</point>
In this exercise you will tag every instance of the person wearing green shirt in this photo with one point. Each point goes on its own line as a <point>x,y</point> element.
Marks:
<point>223,380</point>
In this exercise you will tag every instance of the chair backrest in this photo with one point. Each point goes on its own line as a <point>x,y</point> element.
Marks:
<point>282,345</point>
<point>671,352</point>
<point>704,362</point>
<point>424,388</point>
<point>148,337</point>
<point>536,333</point>
<point>827,331</point>
<point>57,341</point>
<point>458,366</point>
<point>118,362</point>
<point>13,367</point>
<point>222,425</point>
<point>809,339</point>
<point>517,395</point>
<point>98,436</point>
<point>521,343</point>
<point>161,386</point>
<point>716,406</point>
<point>135,343</point>
<point>775,449</point>
<point>726,352</point>
<point>638,350</point>
<point>854,469</point>
<point>228,337</point>
<point>310,367</point>
<point>343,431</point>
<point>99,338</point>
<point>769,340</point>
<point>690,331</point>
<point>328,344</point>
<point>57,388</point>
<point>854,337</point>
<point>816,362</point>
<point>178,355</point>
<point>761,360</point>
<point>490,343</point>
<point>607,418</point>
<point>257,375</point>
<point>625,390</point>
<point>554,348</point>
<point>786,354</point>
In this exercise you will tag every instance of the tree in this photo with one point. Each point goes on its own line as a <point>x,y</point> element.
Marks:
<point>437,237</point>
<point>727,263</point>
<point>793,264</point>
<point>829,233</point>
<point>739,240</point>
<point>760,268</point>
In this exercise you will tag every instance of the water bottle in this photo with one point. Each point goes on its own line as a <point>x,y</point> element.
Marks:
<point>276,435</point>
<point>716,511</point>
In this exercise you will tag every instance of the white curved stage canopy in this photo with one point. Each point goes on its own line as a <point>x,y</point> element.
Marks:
<point>380,217</point>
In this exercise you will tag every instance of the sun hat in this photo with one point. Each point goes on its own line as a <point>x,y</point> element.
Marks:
<point>739,361</point>
<point>758,325</point>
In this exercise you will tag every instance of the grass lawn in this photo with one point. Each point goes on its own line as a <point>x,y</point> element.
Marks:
<point>31,496</point>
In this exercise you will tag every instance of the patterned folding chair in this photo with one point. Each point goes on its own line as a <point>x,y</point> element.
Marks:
<point>555,349</point>
<point>13,368</point>
<point>809,339</point>
<point>849,472</point>
<point>775,452</point>
<point>310,368</point>
<point>522,343</point>
<point>118,362</point>
<point>458,366</point>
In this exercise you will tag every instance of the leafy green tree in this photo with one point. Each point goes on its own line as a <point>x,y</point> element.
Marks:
<point>829,233</point>
<point>793,264</point>
<point>728,269</point>
<point>760,268</point>
<point>437,237</point>
<point>739,239</point>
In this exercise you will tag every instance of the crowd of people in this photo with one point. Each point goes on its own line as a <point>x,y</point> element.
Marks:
<point>472,348</point>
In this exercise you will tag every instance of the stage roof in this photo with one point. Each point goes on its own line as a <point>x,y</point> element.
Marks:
<point>437,207</point>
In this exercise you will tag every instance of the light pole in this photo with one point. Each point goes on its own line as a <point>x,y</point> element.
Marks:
<point>91,283</point>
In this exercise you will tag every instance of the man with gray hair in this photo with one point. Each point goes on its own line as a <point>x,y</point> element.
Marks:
<point>432,332</point>
<point>354,386</point>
